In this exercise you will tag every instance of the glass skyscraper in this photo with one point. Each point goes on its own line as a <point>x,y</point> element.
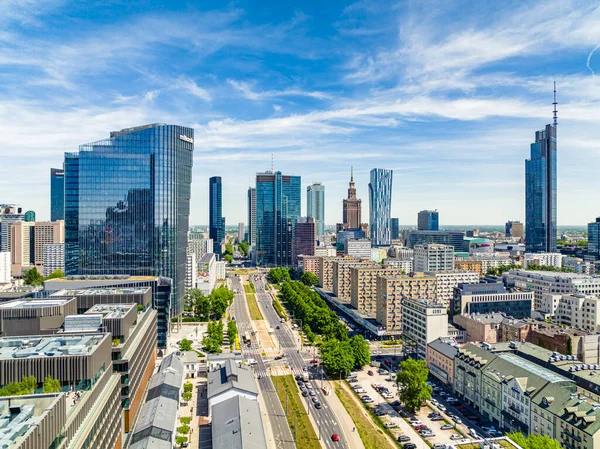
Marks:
<point>57,194</point>
<point>395,229</point>
<point>216,225</point>
<point>428,220</point>
<point>251,217</point>
<point>277,211</point>
<point>380,206</point>
<point>127,205</point>
<point>540,193</point>
<point>594,238</point>
<point>29,216</point>
<point>315,205</point>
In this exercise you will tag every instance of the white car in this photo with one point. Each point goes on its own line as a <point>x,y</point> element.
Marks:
<point>390,424</point>
<point>434,402</point>
<point>441,407</point>
<point>416,422</point>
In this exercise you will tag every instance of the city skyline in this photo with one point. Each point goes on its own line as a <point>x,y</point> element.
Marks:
<point>448,126</point>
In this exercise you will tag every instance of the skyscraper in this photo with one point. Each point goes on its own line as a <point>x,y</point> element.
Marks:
<point>216,225</point>
<point>380,206</point>
<point>352,206</point>
<point>305,240</point>
<point>594,239</point>
<point>127,204</point>
<point>251,217</point>
<point>278,201</point>
<point>241,231</point>
<point>540,191</point>
<point>57,194</point>
<point>315,205</point>
<point>428,220</point>
<point>395,228</point>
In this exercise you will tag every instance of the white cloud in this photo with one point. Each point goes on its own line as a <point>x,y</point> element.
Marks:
<point>193,88</point>
<point>248,92</point>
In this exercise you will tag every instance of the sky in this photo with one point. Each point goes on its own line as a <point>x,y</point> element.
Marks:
<point>447,94</point>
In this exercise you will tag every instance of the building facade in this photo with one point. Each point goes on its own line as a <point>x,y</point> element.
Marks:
<point>452,238</point>
<point>433,257</point>
<point>363,286</point>
<point>380,206</point>
<point>315,205</point>
<point>5,272</point>
<point>305,237</point>
<point>440,360</point>
<point>395,229</point>
<point>251,217</point>
<point>543,259</point>
<point>447,281</point>
<point>216,221</point>
<point>342,285</point>
<point>241,232</point>
<point>428,220</point>
<point>54,258</point>
<point>594,239</point>
<point>46,233</point>
<point>198,245</point>
<point>359,248</point>
<point>309,263</point>
<point>127,205</point>
<point>57,194</point>
<point>352,206</point>
<point>423,321</point>
<point>492,297</point>
<point>513,229</point>
<point>9,213</point>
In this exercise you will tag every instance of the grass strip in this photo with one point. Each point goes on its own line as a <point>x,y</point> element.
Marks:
<point>306,438</point>
<point>249,287</point>
<point>253,307</point>
<point>279,308</point>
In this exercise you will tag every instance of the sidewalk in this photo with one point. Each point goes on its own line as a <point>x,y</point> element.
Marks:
<point>270,437</point>
<point>346,423</point>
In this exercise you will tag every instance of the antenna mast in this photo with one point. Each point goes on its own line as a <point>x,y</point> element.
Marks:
<point>272,170</point>
<point>555,103</point>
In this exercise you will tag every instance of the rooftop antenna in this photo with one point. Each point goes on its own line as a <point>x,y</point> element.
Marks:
<point>555,103</point>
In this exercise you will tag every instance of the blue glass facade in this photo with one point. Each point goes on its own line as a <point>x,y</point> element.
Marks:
<point>216,225</point>
<point>278,202</point>
<point>540,193</point>
<point>57,194</point>
<point>127,202</point>
<point>428,220</point>
<point>395,228</point>
<point>315,206</point>
<point>594,238</point>
<point>29,216</point>
<point>380,205</point>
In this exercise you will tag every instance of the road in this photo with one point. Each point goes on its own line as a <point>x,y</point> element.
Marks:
<point>327,423</point>
<point>279,424</point>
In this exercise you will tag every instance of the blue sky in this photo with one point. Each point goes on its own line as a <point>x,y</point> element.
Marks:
<point>447,94</point>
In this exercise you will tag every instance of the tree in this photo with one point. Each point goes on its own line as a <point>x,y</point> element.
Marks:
<point>232,331</point>
<point>187,396</point>
<point>228,258</point>
<point>337,357</point>
<point>51,385</point>
<point>569,346</point>
<point>201,304</point>
<point>243,247</point>
<point>360,351</point>
<point>309,278</point>
<point>185,345</point>
<point>185,420</point>
<point>277,275</point>
<point>228,249</point>
<point>33,277</point>
<point>183,429</point>
<point>187,387</point>
<point>55,274</point>
<point>219,306</point>
<point>413,383</point>
<point>533,441</point>
<point>179,440</point>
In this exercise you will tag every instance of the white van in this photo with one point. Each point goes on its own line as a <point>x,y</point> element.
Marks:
<point>473,433</point>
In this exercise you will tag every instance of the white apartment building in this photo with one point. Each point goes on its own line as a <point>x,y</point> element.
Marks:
<point>5,267</point>
<point>191,271</point>
<point>200,247</point>
<point>19,237</point>
<point>53,258</point>
<point>433,257</point>
<point>577,310</point>
<point>543,259</point>
<point>401,252</point>
<point>491,261</point>
<point>404,265</point>
<point>359,249</point>
<point>543,282</point>
<point>379,254</point>
<point>207,273</point>
<point>578,265</point>
<point>325,251</point>
<point>423,322</point>
<point>448,280</point>
<point>220,270</point>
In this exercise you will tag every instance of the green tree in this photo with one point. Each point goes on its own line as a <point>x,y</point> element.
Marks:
<point>228,249</point>
<point>337,357</point>
<point>220,299</point>
<point>533,441</point>
<point>569,346</point>
<point>228,258</point>
<point>55,274</point>
<point>187,387</point>
<point>243,247</point>
<point>187,396</point>
<point>179,440</point>
<point>412,379</point>
<point>183,429</point>
<point>360,351</point>
<point>185,420</point>
<point>51,385</point>
<point>309,278</point>
<point>33,277</point>
<point>277,275</point>
<point>201,304</point>
<point>231,330</point>
<point>185,345</point>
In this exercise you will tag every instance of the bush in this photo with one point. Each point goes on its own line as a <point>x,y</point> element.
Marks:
<point>185,420</point>
<point>183,429</point>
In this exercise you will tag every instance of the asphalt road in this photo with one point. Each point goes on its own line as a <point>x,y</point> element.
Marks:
<point>325,418</point>
<point>279,424</point>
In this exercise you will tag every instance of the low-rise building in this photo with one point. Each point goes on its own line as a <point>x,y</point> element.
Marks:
<point>579,311</point>
<point>433,257</point>
<point>239,424</point>
<point>486,298</point>
<point>440,359</point>
<point>483,328</point>
<point>191,363</point>
<point>578,265</point>
<point>481,263</point>
<point>363,286</point>
<point>422,322</point>
<point>403,264</point>
<point>325,251</point>
<point>466,264</point>
<point>401,252</point>
<point>35,316</point>
<point>447,281</point>
<point>228,380</point>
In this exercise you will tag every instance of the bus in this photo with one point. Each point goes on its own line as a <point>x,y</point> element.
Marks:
<point>246,339</point>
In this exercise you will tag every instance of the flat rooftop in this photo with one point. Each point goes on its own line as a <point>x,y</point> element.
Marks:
<point>51,346</point>
<point>34,303</point>
<point>101,291</point>
<point>116,277</point>
<point>110,310</point>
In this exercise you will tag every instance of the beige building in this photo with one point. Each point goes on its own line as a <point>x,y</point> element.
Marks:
<point>482,328</point>
<point>46,233</point>
<point>363,288</point>
<point>20,234</point>
<point>341,275</point>
<point>578,310</point>
<point>310,263</point>
<point>448,280</point>
<point>326,272</point>
<point>440,359</point>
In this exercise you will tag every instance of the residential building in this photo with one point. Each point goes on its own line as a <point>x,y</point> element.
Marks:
<point>379,254</point>
<point>512,329</point>
<point>401,252</point>
<point>230,379</point>
<point>28,316</point>
<point>199,245</point>
<point>352,207</point>
<point>57,194</point>
<point>241,232</point>
<point>513,229</point>
<point>440,359</point>
<point>216,221</point>
<point>251,217</point>
<point>191,363</point>
<point>447,281</point>
<point>358,249</point>
<point>579,311</point>
<point>21,246</point>
<point>487,298</point>
<point>5,267</point>
<point>309,263</point>
<point>582,345</point>
<point>326,271</point>
<point>277,210</point>
<point>363,286</point>
<point>452,238</point>
<point>475,266</point>
<point>392,291</point>
<point>305,237</point>
<point>481,263</point>
<point>9,213</point>
<point>240,424</point>
<point>540,193</point>
<point>341,275</point>
<point>127,203</point>
<point>191,272</point>
<point>395,229</point>
<point>380,206</point>
<point>54,258</point>
<point>543,259</point>
<point>325,251</point>
<point>480,328</point>
<point>405,265</point>
<point>423,321</point>
<point>428,220</point>
<point>433,257</point>
<point>220,270</point>
<point>46,233</point>
<point>315,206</point>
<point>207,274</point>
<point>578,265</point>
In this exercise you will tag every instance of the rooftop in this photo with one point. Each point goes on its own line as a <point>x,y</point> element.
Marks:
<point>231,375</point>
<point>240,424</point>
<point>102,291</point>
<point>34,303</point>
<point>206,258</point>
<point>552,274</point>
<point>447,347</point>
<point>111,310</point>
<point>51,346</point>
<point>114,277</point>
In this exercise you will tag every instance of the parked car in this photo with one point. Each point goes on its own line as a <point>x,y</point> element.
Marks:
<point>427,433</point>
<point>441,407</point>
<point>416,422</point>
<point>312,392</point>
<point>370,373</point>
<point>409,446</point>
<point>353,380</point>
<point>456,437</point>
<point>437,418</point>
<point>457,420</point>
<point>403,438</point>
<point>305,393</point>
<point>434,402</point>
<point>390,424</point>
<point>278,357</point>
<point>446,427</point>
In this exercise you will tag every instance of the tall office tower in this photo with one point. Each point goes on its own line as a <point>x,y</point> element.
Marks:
<point>352,206</point>
<point>428,220</point>
<point>9,213</point>
<point>251,217</point>
<point>127,205</point>
<point>241,232</point>
<point>278,201</point>
<point>57,194</point>
<point>29,216</point>
<point>315,205</point>
<point>216,225</point>
<point>513,229</point>
<point>540,191</point>
<point>395,228</point>
<point>305,239</point>
<point>594,239</point>
<point>380,206</point>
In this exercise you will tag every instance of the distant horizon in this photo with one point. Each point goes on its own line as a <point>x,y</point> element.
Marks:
<point>442,228</point>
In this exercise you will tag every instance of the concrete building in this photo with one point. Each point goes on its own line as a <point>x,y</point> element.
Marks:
<point>352,207</point>
<point>207,273</point>
<point>440,359</point>
<point>220,270</point>
<point>423,322</point>
<point>404,265</point>
<point>305,237</point>
<point>491,297</point>
<point>9,213</point>
<point>326,271</point>
<point>543,259</point>
<point>392,291</point>
<point>20,239</point>
<point>198,245</point>
<point>315,206</point>
<point>47,233</point>
<point>433,257</point>
<point>325,251</point>
<point>241,232</point>
<point>579,265</point>
<point>191,363</point>
<point>309,263</point>
<point>23,317</point>
<point>579,311</point>
<point>452,238</point>
<point>341,275</point>
<point>401,252</point>
<point>251,218</point>
<point>476,266</point>
<point>428,220</point>
<point>191,271</point>
<point>53,258</point>
<point>239,424</point>
<point>480,328</point>
<point>514,229</point>
<point>359,249</point>
<point>363,286</point>
<point>228,380</point>
<point>379,254</point>
<point>5,268</point>
<point>447,281</point>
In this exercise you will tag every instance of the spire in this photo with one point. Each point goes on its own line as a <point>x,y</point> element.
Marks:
<point>555,103</point>
<point>352,168</point>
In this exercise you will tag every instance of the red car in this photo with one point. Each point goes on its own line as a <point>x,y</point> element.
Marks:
<point>370,373</point>
<point>335,437</point>
<point>314,361</point>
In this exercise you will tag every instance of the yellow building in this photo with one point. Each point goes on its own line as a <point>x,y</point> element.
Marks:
<point>469,265</point>
<point>363,286</point>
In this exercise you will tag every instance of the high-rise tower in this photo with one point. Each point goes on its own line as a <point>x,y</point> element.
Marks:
<point>352,206</point>
<point>251,218</point>
<point>57,194</point>
<point>315,206</point>
<point>216,221</point>
<point>380,206</point>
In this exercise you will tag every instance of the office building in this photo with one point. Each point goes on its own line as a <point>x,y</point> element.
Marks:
<point>579,311</point>
<point>9,213</point>
<point>191,272</point>
<point>380,206</point>
<point>395,229</point>
<point>543,259</point>
<point>277,210</point>
<point>57,194</point>
<point>348,234</point>
<point>401,252</point>
<point>358,249</point>
<point>447,281</point>
<point>352,206</point>
<point>513,229</point>
<point>216,226</point>
<point>578,265</point>
<point>305,237</point>
<point>53,258</point>
<point>594,239</point>
<point>363,286</point>
<point>315,205</point>
<point>423,321</point>
<point>452,238</point>
<point>325,251</point>
<point>428,220</point>
<point>5,267</point>
<point>29,216</point>
<point>404,265</point>
<point>251,217</point>
<point>492,297</point>
<point>433,257</point>
<point>440,360</point>
<point>46,233</point>
<point>241,232</point>
<point>540,193</point>
<point>22,317</point>
<point>21,238</point>
<point>220,270</point>
<point>127,203</point>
